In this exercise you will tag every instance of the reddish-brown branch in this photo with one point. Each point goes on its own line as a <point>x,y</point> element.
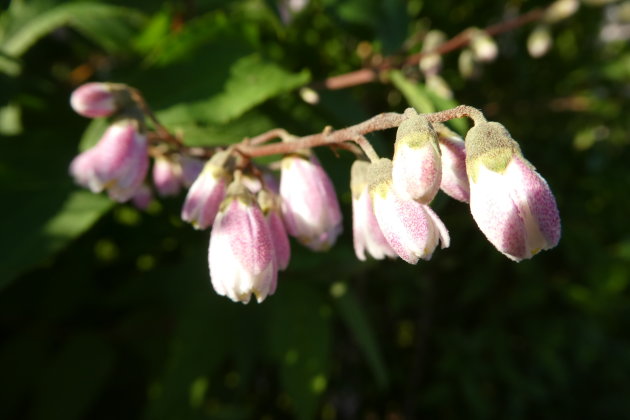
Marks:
<point>353,133</point>
<point>371,74</point>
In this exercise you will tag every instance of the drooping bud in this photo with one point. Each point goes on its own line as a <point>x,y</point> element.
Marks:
<point>454,178</point>
<point>431,63</point>
<point>411,228</point>
<point>560,10</point>
<point>241,254</point>
<point>436,84</point>
<point>539,41</point>
<point>167,176</point>
<point>191,168</point>
<point>467,65</point>
<point>417,168</point>
<point>94,100</point>
<point>309,203</point>
<point>269,203</point>
<point>511,203</point>
<point>483,46</point>
<point>117,163</point>
<point>366,233</point>
<point>207,192</point>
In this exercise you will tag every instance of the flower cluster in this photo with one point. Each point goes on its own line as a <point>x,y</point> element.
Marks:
<point>252,213</point>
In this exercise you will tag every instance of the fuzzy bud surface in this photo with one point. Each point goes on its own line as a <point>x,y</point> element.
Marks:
<point>511,203</point>
<point>309,203</point>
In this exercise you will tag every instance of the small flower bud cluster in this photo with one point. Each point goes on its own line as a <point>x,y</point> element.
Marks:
<point>511,203</point>
<point>119,162</point>
<point>252,214</point>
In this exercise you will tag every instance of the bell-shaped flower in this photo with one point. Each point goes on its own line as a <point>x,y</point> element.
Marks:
<point>417,170</point>
<point>167,176</point>
<point>94,100</point>
<point>366,233</point>
<point>118,163</point>
<point>454,179</point>
<point>207,192</point>
<point>411,228</point>
<point>270,205</point>
<point>241,255</point>
<point>191,168</point>
<point>309,204</point>
<point>511,203</point>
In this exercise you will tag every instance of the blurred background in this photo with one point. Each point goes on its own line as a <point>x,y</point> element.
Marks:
<point>106,312</point>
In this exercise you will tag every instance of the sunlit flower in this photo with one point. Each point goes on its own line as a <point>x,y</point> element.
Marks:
<point>366,233</point>
<point>309,203</point>
<point>206,193</point>
<point>411,228</point>
<point>241,255</point>
<point>118,163</point>
<point>511,203</point>
<point>417,169</point>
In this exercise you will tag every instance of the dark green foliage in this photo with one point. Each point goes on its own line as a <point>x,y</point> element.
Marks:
<point>108,313</point>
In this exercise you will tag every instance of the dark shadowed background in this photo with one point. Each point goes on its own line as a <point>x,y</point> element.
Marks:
<point>107,312</point>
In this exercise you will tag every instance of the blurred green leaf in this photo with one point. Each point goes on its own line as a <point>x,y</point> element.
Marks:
<point>251,81</point>
<point>74,379</point>
<point>425,101</point>
<point>298,331</point>
<point>46,227</point>
<point>111,27</point>
<point>353,315</point>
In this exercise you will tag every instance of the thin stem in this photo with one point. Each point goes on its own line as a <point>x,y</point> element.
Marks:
<point>276,133</point>
<point>355,132</point>
<point>371,74</point>
<point>367,148</point>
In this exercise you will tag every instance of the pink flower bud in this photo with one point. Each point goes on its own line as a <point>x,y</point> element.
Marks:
<point>366,233</point>
<point>118,163</point>
<point>142,197</point>
<point>483,46</point>
<point>309,203</point>
<point>207,192</point>
<point>417,170</point>
<point>454,178</point>
<point>167,176</point>
<point>191,168</point>
<point>241,254</point>
<point>511,203</point>
<point>94,100</point>
<point>269,203</point>
<point>411,228</point>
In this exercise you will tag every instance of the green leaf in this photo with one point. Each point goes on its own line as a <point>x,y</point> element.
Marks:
<point>42,223</point>
<point>11,120</point>
<point>298,336</point>
<point>111,27</point>
<point>425,101</point>
<point>251,81</point>
<point>74,379</point>
<point>356,319</point>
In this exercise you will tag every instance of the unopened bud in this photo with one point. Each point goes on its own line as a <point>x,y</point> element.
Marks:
<point>431,63</point>
<point>483,46</point>
<point>467,64</point>
<point>436,84</point>
<point>560,10</point>
<point>93,100</point>
<point>411,228</point>
<point>511,203</point>
<point>417,170</point>
<point>539,41</point>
